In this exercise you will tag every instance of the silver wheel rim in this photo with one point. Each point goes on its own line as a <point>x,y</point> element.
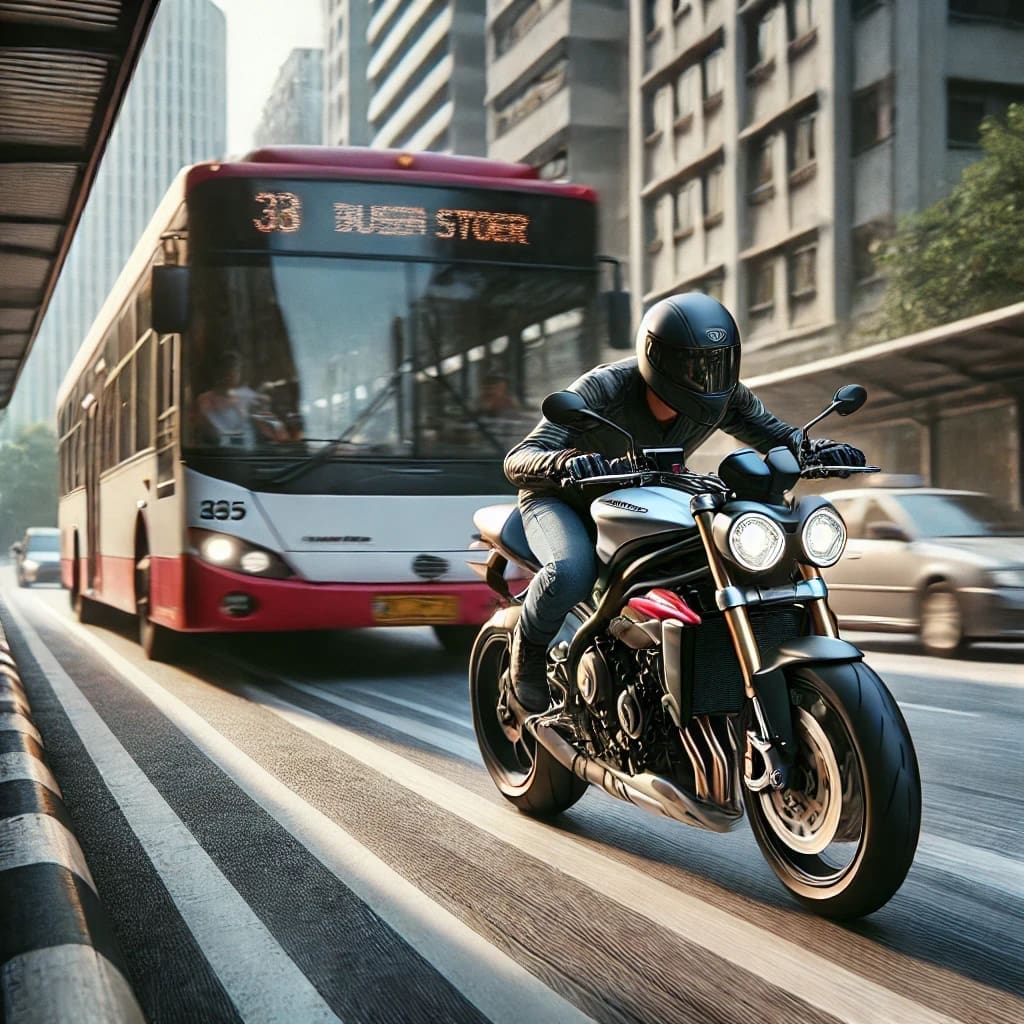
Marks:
<point>807,819</point>
<point>941,628</point>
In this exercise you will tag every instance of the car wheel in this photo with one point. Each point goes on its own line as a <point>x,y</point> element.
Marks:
<point>942,622</point>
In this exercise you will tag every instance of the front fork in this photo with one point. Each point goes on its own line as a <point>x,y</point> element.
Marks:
<point>758,739</point>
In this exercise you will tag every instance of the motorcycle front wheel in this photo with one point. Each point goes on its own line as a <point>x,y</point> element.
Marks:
<point>842,836</point>
<point>524,772</point>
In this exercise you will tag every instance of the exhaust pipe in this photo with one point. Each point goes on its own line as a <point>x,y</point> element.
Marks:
<point>653,793</point>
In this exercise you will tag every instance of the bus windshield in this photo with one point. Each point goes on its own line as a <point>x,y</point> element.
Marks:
<point>380,358</point>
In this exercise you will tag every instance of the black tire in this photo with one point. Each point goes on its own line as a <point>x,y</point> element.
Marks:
<point>456,640</point>
<point>524,772</point>
<point>879,810</point>
<point>158,642</point>
<point>941,627</point>
<point>88,612</point>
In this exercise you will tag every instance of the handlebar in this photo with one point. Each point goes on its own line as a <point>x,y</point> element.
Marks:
<point>821,472</point>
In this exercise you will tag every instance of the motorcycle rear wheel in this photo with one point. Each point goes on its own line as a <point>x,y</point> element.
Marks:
<point>841,838</point>
<point>524,772</point>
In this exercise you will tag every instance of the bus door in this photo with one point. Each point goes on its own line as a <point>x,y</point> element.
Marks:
<point>93,456</point>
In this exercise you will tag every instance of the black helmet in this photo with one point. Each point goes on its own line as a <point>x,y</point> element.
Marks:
<point>688,348</point>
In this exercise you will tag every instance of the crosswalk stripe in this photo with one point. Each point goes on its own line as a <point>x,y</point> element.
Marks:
<point>259,977</point>
<point>500,987</point>
<point>816,980</point>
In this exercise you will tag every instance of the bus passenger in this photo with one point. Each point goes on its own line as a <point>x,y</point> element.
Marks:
<point>232,414</point>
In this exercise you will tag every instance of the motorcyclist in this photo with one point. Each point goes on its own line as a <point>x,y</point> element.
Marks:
<point>682,385</point>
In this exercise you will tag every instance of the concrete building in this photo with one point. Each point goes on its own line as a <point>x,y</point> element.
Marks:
<point>775,142</point>
<point>426,75</point>
<point>293,113</point>
<point>346,89</point>
<point>175,112</point>
<point>557,97</point>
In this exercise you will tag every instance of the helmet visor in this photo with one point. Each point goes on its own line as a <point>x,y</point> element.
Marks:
<point>706,371</point>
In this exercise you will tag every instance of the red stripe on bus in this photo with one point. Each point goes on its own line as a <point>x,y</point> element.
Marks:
<point>293,604</point>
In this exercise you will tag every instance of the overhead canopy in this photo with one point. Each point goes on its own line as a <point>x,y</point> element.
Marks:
<point>65,66</point>
<point>917,377</point>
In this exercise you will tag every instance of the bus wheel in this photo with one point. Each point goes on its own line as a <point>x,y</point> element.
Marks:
<point>87,611</point>
<point>457,640</point>
<point>158,642</point>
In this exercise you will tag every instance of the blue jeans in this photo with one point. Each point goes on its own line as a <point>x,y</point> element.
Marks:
<point>562,544</point>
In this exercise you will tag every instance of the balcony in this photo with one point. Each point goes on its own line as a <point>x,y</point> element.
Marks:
<point>518,61</point>
<point>533,128</point>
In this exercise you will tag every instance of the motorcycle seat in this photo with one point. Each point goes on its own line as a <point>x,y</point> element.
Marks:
<point>501,526</point>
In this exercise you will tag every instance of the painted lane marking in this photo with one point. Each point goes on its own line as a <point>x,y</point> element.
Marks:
<point>41,839</point>
<point>941,711</point>
<point>258,976</point>
<point>412,705</point>
<point>498,985</point>
<point>465,748</point>
<point>13,721</point>
<point>21,766</point>
<point>814,979</point>
<point>91,990</point>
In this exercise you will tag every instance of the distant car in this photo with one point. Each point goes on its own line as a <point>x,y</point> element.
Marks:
<point>946,564</point>
<point>37,556</point>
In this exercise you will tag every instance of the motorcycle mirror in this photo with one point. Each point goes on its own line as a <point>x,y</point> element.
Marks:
<point>565,408</point>
<point>849,399</point>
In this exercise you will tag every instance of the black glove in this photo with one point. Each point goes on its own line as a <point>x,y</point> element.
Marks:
<point>582,467</point>
<point>835,453</point>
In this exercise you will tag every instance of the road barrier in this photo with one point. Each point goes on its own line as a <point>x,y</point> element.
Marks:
<point>59,960</point>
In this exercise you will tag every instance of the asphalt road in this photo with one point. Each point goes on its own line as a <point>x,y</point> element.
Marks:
<point>299,828</point>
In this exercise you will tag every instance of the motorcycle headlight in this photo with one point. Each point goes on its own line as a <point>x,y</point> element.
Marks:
<point>823,537</point>
<point>755,541</point>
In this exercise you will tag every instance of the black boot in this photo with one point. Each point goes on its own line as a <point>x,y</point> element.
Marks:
<point>528,670</point>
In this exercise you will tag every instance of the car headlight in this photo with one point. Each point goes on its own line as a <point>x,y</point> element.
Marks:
<point>823,537</point>
<point>238,555</point>
<point>755,541</point>
<point>1007,577</point>
<point>30,563</point>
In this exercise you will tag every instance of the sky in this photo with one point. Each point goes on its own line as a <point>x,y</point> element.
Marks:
<point>261,34</point>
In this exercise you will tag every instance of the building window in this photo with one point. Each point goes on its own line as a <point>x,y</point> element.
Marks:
<point>519,25</point>
<point>762,169</point>
<point>803,272</point>
<point>686,98</point>
<point>1010,11</point>
<point>858,8</point>
<point>650,16</point>
<point>652,233</point>
<point>684,210</point>
<point>713,286</point>
<point>762,287</point>
<point>713,75</point>
<point>968,104</point>
<point>801,18</point>
<point>760,42</point>
<point>713,195</point>
<point>801,148</point>
<point>872,115</point>
<point>534,94</point>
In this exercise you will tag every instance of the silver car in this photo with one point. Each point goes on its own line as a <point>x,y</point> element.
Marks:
<point>37,556</point>
<point>946,564</point>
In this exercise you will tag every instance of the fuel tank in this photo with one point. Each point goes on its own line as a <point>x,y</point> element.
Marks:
<point>635,512</point>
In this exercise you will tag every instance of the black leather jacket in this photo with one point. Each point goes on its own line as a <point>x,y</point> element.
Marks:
<point>618,392</point>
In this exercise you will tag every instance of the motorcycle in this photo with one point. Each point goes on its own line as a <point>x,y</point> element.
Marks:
<point>707,675</point>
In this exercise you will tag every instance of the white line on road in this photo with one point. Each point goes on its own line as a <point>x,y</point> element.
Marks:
<point>259,977</point>
<point>815,979</point>
<point>985,867</point>
<point>941,711</point>
<point>413,705</point>
<point>500,987</point>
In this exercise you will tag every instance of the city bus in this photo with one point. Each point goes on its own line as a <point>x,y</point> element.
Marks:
<point>304,381</point>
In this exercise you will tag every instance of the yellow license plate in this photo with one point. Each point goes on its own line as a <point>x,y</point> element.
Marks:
<point>415,610</point>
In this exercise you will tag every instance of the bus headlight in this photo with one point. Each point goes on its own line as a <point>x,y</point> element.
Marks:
<point>238,555</point>
<point>823,537</point>
<point>755,541</point>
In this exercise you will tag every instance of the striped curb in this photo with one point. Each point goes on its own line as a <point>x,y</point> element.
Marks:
<point>59,959</point>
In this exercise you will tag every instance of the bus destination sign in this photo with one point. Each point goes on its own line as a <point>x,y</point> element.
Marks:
<point>409,221</point>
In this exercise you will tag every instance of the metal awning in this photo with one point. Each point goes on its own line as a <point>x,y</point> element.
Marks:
<point>919,376</point>
<point>65,66</point>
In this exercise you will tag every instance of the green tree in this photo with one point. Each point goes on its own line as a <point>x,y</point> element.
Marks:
<point>28,482</point>
<point>964,254</point>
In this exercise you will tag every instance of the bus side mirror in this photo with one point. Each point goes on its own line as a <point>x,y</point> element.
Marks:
<point>171,299</point>
<point>619,316</point>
